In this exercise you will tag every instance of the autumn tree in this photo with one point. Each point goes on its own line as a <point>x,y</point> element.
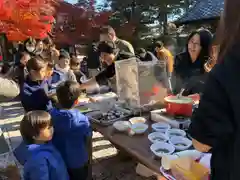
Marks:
<point>82,24</point>
<point>20,20</point>
<point>95,15</point>
<point>143,14</point>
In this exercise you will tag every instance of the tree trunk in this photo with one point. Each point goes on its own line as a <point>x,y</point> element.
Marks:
<point>165,24</point>
<point>164,18</point>
<point>187,4</point>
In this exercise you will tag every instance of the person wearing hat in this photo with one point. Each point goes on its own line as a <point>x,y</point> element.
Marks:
<point>109,53</point>
<point>144,55</point>
<point>62,71</point>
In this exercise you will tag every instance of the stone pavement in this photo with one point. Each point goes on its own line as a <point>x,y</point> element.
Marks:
<point>11,115</point>
<point>106,163</point>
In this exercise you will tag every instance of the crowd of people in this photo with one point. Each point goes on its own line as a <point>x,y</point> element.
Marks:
<point>58,138</point>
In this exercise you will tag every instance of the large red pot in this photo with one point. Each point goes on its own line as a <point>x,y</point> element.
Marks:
<point>179,106</point>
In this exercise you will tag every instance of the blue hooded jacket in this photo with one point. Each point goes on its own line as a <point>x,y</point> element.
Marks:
<point>71,130</point>
<point>34,95</point>
<point>44,162</point>
<point>58,77</point>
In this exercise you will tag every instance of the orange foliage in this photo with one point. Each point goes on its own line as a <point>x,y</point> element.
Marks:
<point>21,19</point>
<point>86,24</point>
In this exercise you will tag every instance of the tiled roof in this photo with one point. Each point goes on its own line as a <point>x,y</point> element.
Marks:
<point>203,9</point>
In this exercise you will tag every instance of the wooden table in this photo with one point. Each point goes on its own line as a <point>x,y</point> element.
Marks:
<point>137,146</point>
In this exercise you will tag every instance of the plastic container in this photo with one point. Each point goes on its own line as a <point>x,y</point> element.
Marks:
<point>161,127</point>
<point>167,160</point>
<point>181,143</point>
<point>188,169</point>
<point>160,149</point>
<point>139,128</point>
<point>156,137</point>
<point>175,132</point>
<point>122,125</point>
<point>135,120</point>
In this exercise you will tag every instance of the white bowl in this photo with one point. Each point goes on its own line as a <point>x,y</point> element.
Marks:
<point>157,137</point>
<point>122,125</point>
<point>139,128</point>
<point>135,120</point>
<point>181,143</point>
<point>161,127</point>
<point>175,132</point>
<point>162,149</point>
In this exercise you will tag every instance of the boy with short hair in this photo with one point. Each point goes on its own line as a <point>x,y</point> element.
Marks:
<point>72,135</point>
<point>62,71</point>
<point>43,162</point>
<point>75,65</point>
<point>35,88</point>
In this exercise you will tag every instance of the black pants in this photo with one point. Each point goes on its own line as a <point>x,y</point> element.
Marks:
<point>78,173</point>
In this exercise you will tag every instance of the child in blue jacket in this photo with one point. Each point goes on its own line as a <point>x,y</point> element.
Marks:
<point>34,92</point>
<point>43,162</point>
<point>72,131</point>
<point>62,71</point>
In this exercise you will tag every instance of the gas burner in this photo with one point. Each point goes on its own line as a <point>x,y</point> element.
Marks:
<point>176,117</point>
<point>180,122</point>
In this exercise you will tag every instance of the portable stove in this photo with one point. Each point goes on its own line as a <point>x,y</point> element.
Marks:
<point>179,122</point>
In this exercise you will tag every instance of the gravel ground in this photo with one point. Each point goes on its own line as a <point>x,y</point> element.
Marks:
<point>108,165</point>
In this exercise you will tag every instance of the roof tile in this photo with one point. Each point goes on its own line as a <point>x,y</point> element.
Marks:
<point>203,9</point>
